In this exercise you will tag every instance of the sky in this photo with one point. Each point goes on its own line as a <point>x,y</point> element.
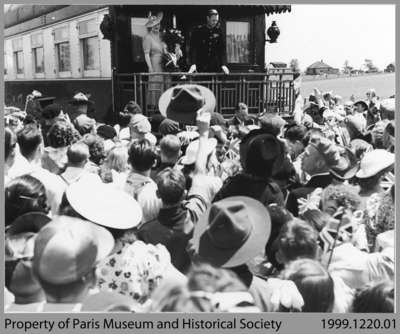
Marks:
<point>335,33</point>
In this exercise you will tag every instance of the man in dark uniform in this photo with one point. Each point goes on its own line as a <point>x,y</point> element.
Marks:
<point>208,50</point>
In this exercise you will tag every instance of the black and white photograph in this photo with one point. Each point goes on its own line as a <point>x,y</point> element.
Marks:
<point>199,158</point>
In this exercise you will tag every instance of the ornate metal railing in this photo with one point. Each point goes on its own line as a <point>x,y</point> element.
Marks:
<point>260,91</point>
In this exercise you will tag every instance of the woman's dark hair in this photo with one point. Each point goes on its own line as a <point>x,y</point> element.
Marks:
<point>279,217</point>
<point>124,118</point>
<point>314,284</point>
<point>62,134</point>
<point>141,155</point>
<point>295,132</point>
<point>29,138</point>
<point>22,195</point>
<point>9,142</point>
<point>375,298</point>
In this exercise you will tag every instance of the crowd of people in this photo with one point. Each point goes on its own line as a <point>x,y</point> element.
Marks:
<point>188,211</point>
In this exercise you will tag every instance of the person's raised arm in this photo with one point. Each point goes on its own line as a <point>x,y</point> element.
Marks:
<point>203,125</point>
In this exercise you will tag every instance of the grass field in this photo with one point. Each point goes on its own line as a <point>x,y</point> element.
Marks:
<point>384,84</point>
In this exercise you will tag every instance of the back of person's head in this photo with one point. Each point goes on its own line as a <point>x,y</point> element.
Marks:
<point>316,218</point>
<point>295,132</point>
<point>205,277</point>
<point>117,158</point>
<point>96,148</point>
<point>22,195</point>
<point>377,297</point>
<point>174,297</point>
<point>78,154</point>
<point>170,148</point>
<point>141,155</point>
<point>61,134</point>
<point>171,184</point>
<point>29,138</point>
<point>51,111</point>
<point>314,284</point>
<point>297,239</point>
<point>132,108</point>
<point>279,217</point>
<point>10,141</point>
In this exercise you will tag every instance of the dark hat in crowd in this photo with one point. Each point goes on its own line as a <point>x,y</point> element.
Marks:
<point>362,103</point>
<point>260,151</point>
<point>28,222</point>
<point>45,101</point>
<point>347,166</point>
<point>232,231</point>
<point>169,127</point>
<point>106,131</point>
<point>19,278</point>
<point>51,111</point>
<point>79,99</point>
<point>67,249</point>
<point>181,103</point>
<point>272,123</point>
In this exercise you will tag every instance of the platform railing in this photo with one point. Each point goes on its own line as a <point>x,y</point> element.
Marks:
<point>260,91</point>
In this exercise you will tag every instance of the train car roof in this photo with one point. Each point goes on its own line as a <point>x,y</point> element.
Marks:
<point>19,13</point>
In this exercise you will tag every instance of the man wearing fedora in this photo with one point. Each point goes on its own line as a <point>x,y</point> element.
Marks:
<point>208,50</point>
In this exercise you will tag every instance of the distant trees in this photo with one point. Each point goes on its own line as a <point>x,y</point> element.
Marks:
<point>294,65</point>
<point>390,68</point>
<point>370,67</point>
<point>347,68</point>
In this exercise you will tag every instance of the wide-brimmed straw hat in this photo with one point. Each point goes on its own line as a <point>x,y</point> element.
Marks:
<point>373,162</point>
<point>154,20</point>
<point>180,103</point>
<point>104,205</point>
<point>232,231</point>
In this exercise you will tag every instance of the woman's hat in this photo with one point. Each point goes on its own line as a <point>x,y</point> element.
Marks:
<point>363,103</point>
<point>347,166</point>
<point>28,222</point>
<point>79,99</point>
<point>180,103</point>
<point>374,162</point>
<point>154,20</point>
<point>104,205</point>
<point>191,151</point>
<point>232,231</point>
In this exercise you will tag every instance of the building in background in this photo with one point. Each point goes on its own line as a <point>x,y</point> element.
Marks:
<point>319,67</point>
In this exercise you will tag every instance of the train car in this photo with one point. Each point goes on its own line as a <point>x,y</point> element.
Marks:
<point>97,49</point>
<point>57,50</point>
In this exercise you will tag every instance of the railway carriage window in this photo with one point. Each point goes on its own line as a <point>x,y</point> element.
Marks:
<point>18,56</point>
<point>88,35</point>
<point>238,42</point>
<point>37,53</point>
<point>61,40</point>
